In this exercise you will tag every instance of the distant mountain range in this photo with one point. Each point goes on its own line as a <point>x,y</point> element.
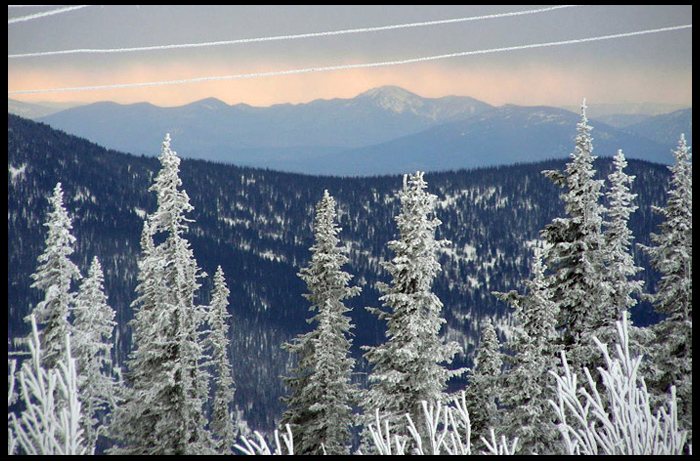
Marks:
<point>499,136</point>
<point>37,110</point>
<point>385,130</point>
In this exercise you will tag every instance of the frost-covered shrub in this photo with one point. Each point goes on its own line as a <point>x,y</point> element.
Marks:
<point>618,421</point>
<point>50,421</point>
<point>447,432</point>
<point>259,445</point>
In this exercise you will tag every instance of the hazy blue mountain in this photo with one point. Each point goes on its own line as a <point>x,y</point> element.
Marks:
<point>37,110</point>
<point>246,135</point>
<point>648,109</point>
<point>665,128</point>
<point>257,224</point>
<point>499,136</point>
<point>384,130</point>
<point>621,120</point>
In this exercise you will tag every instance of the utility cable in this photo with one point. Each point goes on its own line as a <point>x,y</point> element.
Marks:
<point>29,17</point>
<point>286,37</point>
<point>362,65</point>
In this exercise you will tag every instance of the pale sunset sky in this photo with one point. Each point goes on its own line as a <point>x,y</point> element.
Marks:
<point>650,67</point>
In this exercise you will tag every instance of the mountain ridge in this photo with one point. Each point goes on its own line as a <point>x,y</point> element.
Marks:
<point>369,118</point>
<point>499,136</point>
<point>359,135</point>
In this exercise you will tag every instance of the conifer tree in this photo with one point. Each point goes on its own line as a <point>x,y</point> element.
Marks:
<point>619,260</point>
<point>221,420</point>
<point>162,411</point>
<point>319,408</point>
<point>92,332</point>
<point>483,382</point>
<point>574,252</point>
<point>410,366</point>
<point>672,256</point>
<point>527,385</point>
<point>618,240</point>
<point>54,276</point>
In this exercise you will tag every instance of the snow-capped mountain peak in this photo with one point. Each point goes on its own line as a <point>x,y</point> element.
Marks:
<point>393,98</point>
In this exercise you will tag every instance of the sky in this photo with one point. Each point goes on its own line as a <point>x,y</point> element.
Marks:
<point>655,67</point>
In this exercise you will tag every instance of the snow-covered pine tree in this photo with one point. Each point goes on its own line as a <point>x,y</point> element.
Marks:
<point>54,276</point>
<point>619,260</point>
<point>162,408</point>
<point>483,383</point>
<point>618,241</point>
<point>527,385</point>
<point>672,256</point>
<point>410,366</point>
<point>320,405</point>
<point>221,424</point>
<point>574,253</point>
<point>93,327</point>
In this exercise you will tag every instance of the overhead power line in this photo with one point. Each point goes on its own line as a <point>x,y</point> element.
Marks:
<point>363,65</point>
<point>286,37</point>
<point>29,17</point>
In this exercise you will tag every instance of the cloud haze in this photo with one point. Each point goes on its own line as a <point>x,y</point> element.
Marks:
<point>655,68</point>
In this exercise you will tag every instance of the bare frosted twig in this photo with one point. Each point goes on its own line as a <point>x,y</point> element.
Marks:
<point>619,421</point>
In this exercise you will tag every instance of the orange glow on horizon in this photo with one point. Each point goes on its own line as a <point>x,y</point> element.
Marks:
<point>534,85</point>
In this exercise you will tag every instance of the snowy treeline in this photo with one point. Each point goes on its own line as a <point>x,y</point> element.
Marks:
<point>175,395</point>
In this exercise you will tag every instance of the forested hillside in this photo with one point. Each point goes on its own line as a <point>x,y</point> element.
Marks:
<point>257,224</point>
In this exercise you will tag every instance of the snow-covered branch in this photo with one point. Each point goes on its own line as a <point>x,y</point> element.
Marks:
<point>619,421</point>
<point>261,447</point>
<point>50,422</point>
<point>447,432</point>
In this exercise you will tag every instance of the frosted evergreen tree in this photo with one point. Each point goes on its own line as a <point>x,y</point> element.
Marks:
<point>411,365</point>
<point>162,411</point>
<point>54,276</point>
<point>483,383</point>
<point>673,250</point>
<point>221,424</point>
<point>320,405</point>
<point>621,269</point>
<point>574,252</point>
<point>527,385</point>
<point>618,241</point>
<point>93,327</point>
<point>672,256</point>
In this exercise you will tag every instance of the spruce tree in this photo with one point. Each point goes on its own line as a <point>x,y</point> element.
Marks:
<point>527,385</point>
<point>483,382</point>
<point>162,411</point>
<point>221,416</point>
<point>574,252</point>
<point>672,256</point>
<point>93,327</point>
<point>54,276</point>
<point>410,366</point>
<point>619,260</point>
<point>320,405</point>
<point>618,240</point>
